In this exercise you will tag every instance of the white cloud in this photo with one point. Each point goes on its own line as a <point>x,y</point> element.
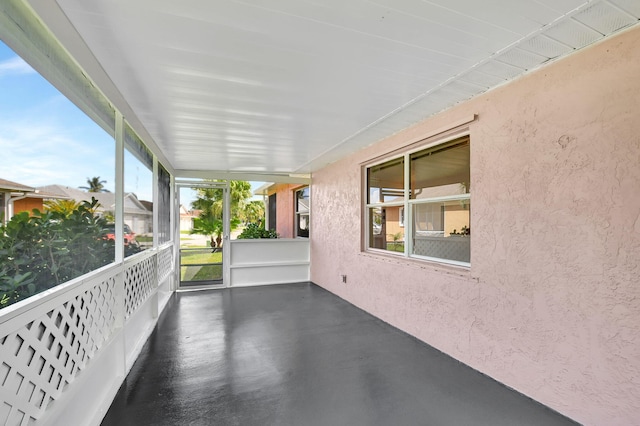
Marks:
<point>15,66</point>
<point>39,154</point>
<point>47,140</point>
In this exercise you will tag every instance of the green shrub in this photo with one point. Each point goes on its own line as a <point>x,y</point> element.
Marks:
<point>256,230</point>
<point>41,251</point>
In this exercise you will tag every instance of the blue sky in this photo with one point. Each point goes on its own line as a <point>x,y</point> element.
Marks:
<point>45,139</point>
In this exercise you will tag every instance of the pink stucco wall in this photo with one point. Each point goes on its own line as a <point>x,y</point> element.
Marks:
<point>285,198</point>
<point>551,303</point>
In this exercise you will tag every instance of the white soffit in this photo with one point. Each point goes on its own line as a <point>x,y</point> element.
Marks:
<point>288,86</point>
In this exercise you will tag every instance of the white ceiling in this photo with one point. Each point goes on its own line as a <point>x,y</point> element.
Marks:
<point>288,86</point>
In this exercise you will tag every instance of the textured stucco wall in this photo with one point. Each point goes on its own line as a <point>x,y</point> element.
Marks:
<point>551,303</point>
<point>284,209</point>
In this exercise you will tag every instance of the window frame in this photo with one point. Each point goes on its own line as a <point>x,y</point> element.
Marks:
<point>408,204</point>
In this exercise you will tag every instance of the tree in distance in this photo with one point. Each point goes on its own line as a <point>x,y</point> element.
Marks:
<point>95,185</point>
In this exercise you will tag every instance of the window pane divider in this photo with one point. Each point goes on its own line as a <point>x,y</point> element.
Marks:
<point>438,199</point>
<point>390,204</point>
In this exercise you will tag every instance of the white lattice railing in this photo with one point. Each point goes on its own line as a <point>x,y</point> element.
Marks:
<point>43,353</point>
<point>51,340</point>
<point>140,279</point>
<point>165,262</point>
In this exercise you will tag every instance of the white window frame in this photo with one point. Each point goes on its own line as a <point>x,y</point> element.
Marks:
<point>407,204</point>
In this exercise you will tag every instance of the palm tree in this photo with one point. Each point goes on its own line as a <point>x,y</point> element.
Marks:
<point>209,226</point>
<point>95,185</point>
<point>254,211</point>
<point>210,200</point>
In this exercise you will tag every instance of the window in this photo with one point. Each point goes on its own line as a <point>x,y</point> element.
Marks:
<point>138,188</point>
<point>273,211</point>
<point>424,195</point>
<point>164,205</point>
<point>385,194</point>
<point>302,212</point>
<point>60,162</point>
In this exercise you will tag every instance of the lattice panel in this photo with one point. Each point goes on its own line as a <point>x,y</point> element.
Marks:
<point>165,263</point>
<point>41,358</point>
<point>139,280</point>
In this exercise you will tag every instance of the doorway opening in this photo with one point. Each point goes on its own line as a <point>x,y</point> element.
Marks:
<point>203,236</point>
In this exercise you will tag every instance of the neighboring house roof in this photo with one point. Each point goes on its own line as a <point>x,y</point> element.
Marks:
<point>28,192</point>
<point>147,204</point>
<point>7,185</point>
<point>107,200</point>
<point>133,205</point>
<point>263,189</point>
<point>46,195</point>
<point>184,212</point>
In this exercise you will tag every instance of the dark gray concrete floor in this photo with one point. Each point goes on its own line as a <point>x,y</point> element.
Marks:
<point>295,354</point>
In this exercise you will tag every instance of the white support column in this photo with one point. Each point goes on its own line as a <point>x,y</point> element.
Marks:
<point>310,225</point>
<point>175,231</point>
<point>119,207</point>
<point>226,250</point>
<point>9,208</point>
<point>5,206</point>
<point>172,213</point>
<point>119,234</point>
<point>156,228</point>
<point>155,199</point>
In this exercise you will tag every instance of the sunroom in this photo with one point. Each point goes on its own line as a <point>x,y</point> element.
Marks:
<point>373,125</point>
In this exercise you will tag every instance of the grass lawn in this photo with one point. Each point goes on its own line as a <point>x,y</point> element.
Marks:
<point>397,246</point>
<point>199,272</point>
<point>210,272</point>
<point>190,257</point>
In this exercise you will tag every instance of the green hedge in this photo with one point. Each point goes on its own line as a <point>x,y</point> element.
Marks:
<point>256,230</point>
<point>39,252</point>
